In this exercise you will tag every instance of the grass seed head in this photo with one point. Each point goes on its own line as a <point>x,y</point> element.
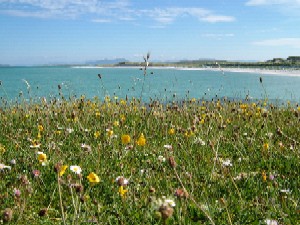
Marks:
<point>7,215</point>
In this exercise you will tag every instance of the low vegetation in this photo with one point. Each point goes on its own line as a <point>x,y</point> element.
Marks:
<point>119,161</point>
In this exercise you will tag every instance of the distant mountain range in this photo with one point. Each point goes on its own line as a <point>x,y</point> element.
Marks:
<point>106,61</point>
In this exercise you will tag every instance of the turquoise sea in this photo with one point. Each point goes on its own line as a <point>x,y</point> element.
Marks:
<point>159,84</point>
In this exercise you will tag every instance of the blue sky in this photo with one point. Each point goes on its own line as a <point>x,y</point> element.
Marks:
<point>75,31</point>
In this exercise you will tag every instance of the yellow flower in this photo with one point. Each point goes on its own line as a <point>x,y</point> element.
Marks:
<point>123,118</point>
<point>62,170</point>
<point>264,175</point>
<point>42,157</point>
<point>189,133</point>
<point>93,178</point>
<point>116,123</point>
<point>123,102</point>
<point>171,131</point>
<point>122,192</point>
<point>141,140</point>
<point>97,134</point>
<point>243,106</point>
<point>125,139</point>
<point>97,114</point>
<point>109,132</point>
<point>266,146</point>
<point>40,127</point>
<point>2,148</point>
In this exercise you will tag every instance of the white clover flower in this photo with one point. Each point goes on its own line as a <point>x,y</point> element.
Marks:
<point>199,141</point>
<point>169,147</point>
<point>76,169</point>
<point>2,166</point>
<point>271,222</point>
<point>123,180</point>
<point>163,201</point>
<point>227,163</point>
<point>35,146</point>
<point>86,147</point>
<point>170,202</point>
<point>70,130</point>
<point>286,191</point>
<point>161,158</point>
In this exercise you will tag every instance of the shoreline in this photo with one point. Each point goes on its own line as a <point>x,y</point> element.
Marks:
<point>288,72</point>
<point>291,73</point>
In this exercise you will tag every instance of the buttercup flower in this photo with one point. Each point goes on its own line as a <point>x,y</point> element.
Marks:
<point>141,140</point>
<point>264,175</point>
<point>171,131</point>
<point>42,157</point>
<point>266,146</point>
<point>40,127</point>
<point>122,192</point>
<point>76,169</point>
<point>62,170</point>
<point>97,134</point>
<point>125,139</point>
<point>109,132</point>
<point>93,178</point>
<point>2,148</point>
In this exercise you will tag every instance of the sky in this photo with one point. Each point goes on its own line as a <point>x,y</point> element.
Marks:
<point>34,32</point>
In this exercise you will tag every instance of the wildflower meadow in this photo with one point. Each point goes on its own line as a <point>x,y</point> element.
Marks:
<point>124,161</point>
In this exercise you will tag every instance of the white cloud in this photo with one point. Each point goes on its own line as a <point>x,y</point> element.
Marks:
<point>288,3</point>
<point>217,36</point>
<point>61,8</point>
<point>110,9</point>
<point>168,15</point>
<point>101,20</point>
<point>280,42</point>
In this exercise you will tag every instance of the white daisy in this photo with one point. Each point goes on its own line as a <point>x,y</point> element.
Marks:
<point>76,169</point>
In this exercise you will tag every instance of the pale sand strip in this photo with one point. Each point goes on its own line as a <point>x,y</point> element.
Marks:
<point>288,72</point>
<point>295,73</point>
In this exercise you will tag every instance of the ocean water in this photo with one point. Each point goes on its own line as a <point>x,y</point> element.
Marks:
<point>159,84</point>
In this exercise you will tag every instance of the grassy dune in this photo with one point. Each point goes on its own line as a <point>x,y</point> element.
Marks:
<point>192,162</point>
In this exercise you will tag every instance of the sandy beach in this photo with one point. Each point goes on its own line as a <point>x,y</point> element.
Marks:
<point>288,72</point>
<point>295,73</point>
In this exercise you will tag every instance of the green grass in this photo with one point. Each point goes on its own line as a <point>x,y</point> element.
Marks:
<point>260,140</point>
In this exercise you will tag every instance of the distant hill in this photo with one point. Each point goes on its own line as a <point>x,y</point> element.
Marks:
<point>106,61</point>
